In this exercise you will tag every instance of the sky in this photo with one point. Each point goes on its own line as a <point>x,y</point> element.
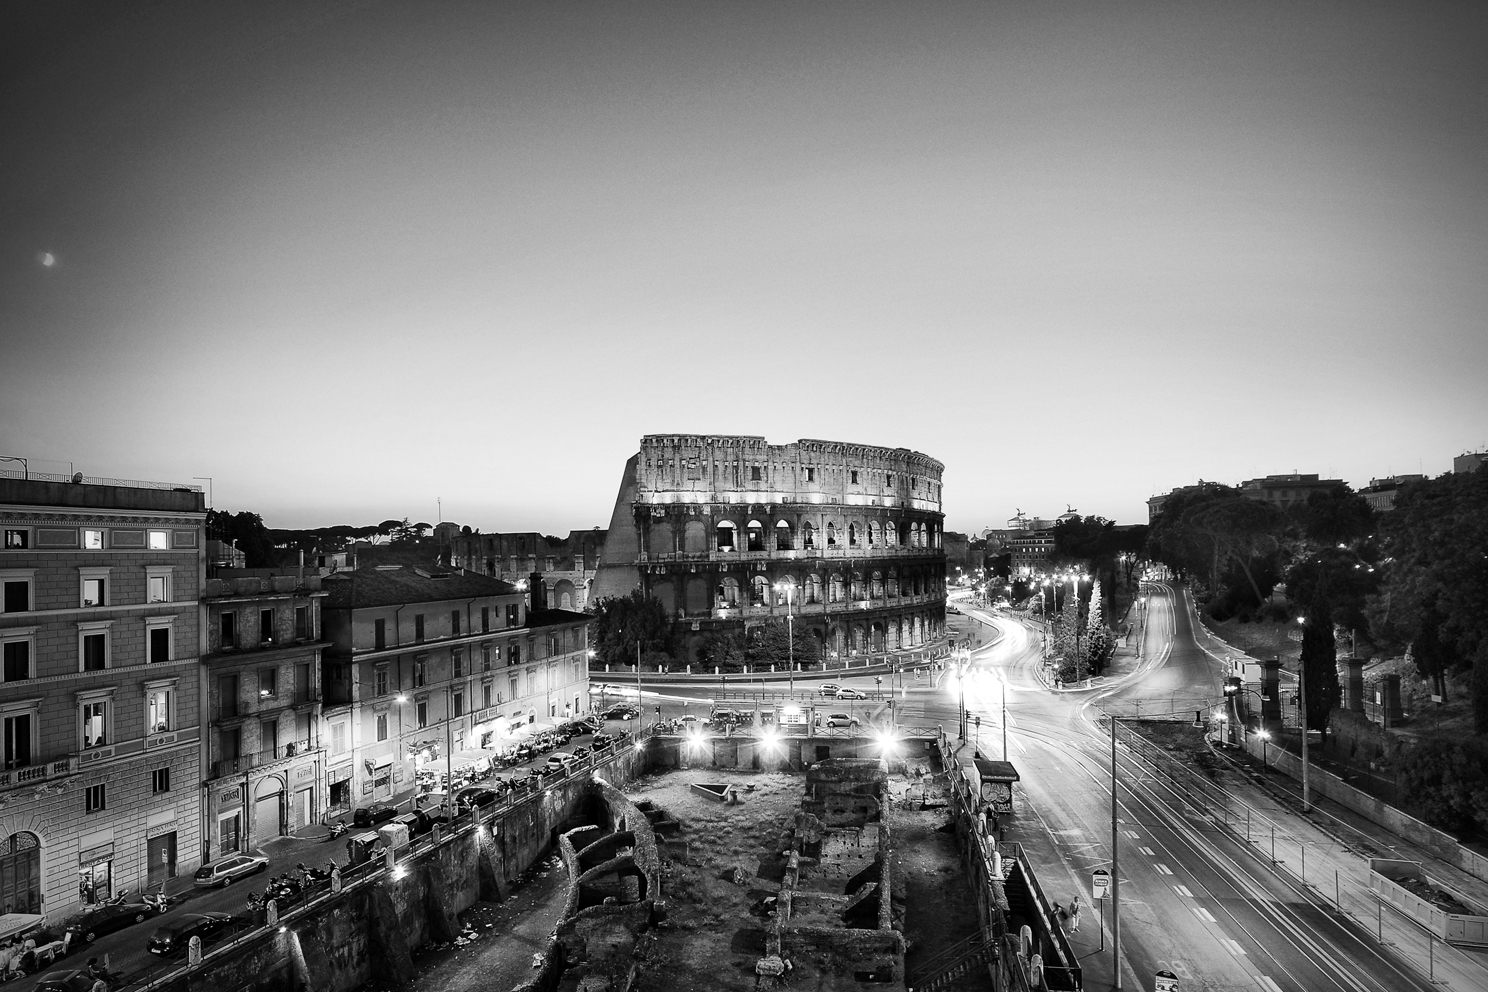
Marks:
<point>362,260</point>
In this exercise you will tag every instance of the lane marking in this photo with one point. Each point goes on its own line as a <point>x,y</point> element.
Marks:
<point>1268,984</point>
<point>1182,890</point>
<point>1162,868</point>
<point>1133,834</point>
<point>1234,946</point>
<point>1148,851</point>
<point>1204,914</point>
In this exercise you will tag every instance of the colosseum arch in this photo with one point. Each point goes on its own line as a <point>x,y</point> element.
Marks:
<point>874,534</point>
<point>834,588</point>
<point>754,536</point>
<point>831,534</point>
<point>728,535</point>
<point>759,591</point>
<point>893,589</point>
<point>904,533</point>
<point>813,592</point>
<point>695,537</point>
<point>808,535</point>
<point>878,640</point>
<point>563,594</point>
<point>666,594</point>
<point>856,592</point>
<point>854,534</point>
<point>728,592</point>
<point>876,586</point>
<point>784,536</point>
<point>697,594</point>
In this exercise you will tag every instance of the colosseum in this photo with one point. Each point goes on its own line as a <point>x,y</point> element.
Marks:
<point>728,532</point>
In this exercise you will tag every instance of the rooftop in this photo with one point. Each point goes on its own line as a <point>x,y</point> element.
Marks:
<point>20,486</point>
<point>390,585</point>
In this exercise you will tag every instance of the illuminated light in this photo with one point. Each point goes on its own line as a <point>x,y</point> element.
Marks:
<point>284,929</point>
<point>399,871</point>
<point>1264,735</point>
<point>402,698</point>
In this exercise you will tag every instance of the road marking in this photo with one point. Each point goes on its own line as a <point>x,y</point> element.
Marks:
<point>1162,868</point>
<point>1234,946</point>
<point>1204,914</point>
<point>1268,984</point>
<point>1147,851</point>
<point>1182,890</point>
<point>1133,834</point>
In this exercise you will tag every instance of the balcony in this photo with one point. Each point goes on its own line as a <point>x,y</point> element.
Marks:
<point>42,771</point>
<point>247,762</point>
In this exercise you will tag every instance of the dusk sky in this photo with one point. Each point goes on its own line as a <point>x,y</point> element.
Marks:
<point>350,258</point>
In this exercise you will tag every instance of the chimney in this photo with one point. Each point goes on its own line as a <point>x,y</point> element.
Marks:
<point>537,591</point>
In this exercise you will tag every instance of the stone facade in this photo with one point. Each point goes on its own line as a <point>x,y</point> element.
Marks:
<point>727,532</point>
<point>101,636</point>
<point>567,565</point>
<point>265,762</point>
<point>422,661</point>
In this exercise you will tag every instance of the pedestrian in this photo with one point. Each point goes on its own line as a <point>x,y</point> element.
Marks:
<point>1074,914</point>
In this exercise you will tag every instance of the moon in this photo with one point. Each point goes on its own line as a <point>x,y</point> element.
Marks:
<point>48,259</point>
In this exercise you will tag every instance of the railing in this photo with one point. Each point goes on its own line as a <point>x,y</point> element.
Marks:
<point>10,473</point>
<point>247,762</point>
<point>39,772</point>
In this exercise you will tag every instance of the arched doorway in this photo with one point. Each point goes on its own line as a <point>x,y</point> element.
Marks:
<point>20,873</point>
<point>268,809</point>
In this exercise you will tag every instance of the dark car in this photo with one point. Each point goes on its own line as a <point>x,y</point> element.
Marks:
<point>601,742</point>
<point>367,816</point>
<point>621,712</point>
<point>174,937</point>
<point>74,980</point>
<point>107,919</point>
<point>475,796</point>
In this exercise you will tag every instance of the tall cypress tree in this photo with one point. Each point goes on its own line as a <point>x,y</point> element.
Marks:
<point>1320,660</point>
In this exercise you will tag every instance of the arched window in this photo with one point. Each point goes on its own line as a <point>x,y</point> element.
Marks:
<point>893,584</point>
<point>728,593</point>
<point>783,537</point>
<point>727,540</point>
<point>891,534</point>
<point>852,535</point>
<point>755,535</point>
<point>759,591</point>
<point>831,534</point>
<point>876,588</point>
<point>813,588</point>
<point>873,533</point>
<point>857,586</point>
<point>20,873</point>
<point>808,536</point>
<point>834,588</point>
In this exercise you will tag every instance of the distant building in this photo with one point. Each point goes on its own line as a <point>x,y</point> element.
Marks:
<point>422,660</point>
<point>568,565</point>
<point>1468,461</point>
<point>265,772</point>
<point>99,625</point>
<point>1380,493</point>
<point>1031,551</point>
<point>1286,491</point>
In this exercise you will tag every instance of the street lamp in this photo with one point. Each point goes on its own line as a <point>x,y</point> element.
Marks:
<point>1302,687</point>
<point>789,588</point>
<point>1264,735</point>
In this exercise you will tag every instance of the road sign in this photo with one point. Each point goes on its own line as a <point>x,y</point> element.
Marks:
<point>1100,882</point>
<point>1166,981</point>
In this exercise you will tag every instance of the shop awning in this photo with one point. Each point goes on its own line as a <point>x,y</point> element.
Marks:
<point>14,924</point>
<point>477,760</point>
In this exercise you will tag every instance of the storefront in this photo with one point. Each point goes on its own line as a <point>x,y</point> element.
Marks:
<point>230,836</point>
<point>339,782</point>
<point>160,852</point>
<point>379,784</point>
<point>96,871</point>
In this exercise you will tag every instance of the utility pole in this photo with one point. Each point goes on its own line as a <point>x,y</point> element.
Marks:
<point>1115,869</point>
<point>1302,689</point>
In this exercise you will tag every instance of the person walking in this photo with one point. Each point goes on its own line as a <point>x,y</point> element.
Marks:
<point>1074,914</point>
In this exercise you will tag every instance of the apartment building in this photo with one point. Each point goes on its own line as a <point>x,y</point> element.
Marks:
<point>100,633</point>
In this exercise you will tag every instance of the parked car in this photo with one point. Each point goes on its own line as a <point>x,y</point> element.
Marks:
<point>171,939</point>
<point>602,742</point>
<point>562,759</point>
<point>370,816</point>
<point>835,720</point>
<point>829,689</point>
<point>107,919</point>
<point>580,753</point>
<point>849,693</point>
<point>621,712</point>
<point>73,980</point>
<point>687,720</point>
<point>229,870</point>
<point>475,796</point>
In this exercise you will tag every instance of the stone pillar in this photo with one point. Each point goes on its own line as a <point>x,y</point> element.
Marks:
<point>1391,700</point>
<point>1271,691</point>
<point>1355,698</point>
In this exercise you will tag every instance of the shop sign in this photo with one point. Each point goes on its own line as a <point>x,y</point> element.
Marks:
<point>342,774</point>
<point>96,855</point>
<point>229,797</point>
<point>304,773</point>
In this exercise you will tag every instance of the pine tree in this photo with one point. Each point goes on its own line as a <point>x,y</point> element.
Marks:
<point>1319,661</point>
<point>1070,622</point>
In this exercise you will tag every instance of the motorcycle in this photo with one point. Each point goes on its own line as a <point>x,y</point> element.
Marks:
<point>336,829</point>
<point>117,900</point>
<point>160,902</point>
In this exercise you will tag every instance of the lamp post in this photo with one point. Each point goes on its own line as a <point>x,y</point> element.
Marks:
<point>789,588</point>
<point>1302,688</point>
<point>1264,735</point>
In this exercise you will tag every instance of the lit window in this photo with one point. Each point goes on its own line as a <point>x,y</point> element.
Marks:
<point>92,540</point>
<point>17,539</point>
<point>159,540</point>
<point>382,727</point>
<point>159,711</point>
<point>95,723</point>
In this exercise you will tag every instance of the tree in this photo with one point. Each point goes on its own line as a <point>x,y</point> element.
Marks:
<point>1239,531</point>
<point>623,622</point>
<point>245,530</point>
<point>1319,661</point>
<point>1337,516</point>
<point>1097,639</point>
<point>771,643</point>
<point>1433,657</point>
<point>1445,780</point>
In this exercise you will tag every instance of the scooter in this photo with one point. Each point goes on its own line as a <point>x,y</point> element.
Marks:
<point>160,902</point>
<point>117,900</point>
<point>337,829</point>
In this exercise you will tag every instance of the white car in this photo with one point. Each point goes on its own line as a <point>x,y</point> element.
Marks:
<point>836,720</point>
<point>561,759</point>
<point>829,689</point>
<point>228,870</point>
<point>850,693</point>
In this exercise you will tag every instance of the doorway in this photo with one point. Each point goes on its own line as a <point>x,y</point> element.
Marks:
<point>162,859</point>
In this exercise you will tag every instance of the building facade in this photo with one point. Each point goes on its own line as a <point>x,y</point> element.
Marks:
<point>100,633</point>
<point>425,662</point>
<point>1286,491</point>
<point>264,760</point>
<point>1380,493</point>
<point>728,532</point>
<point>567,564</point>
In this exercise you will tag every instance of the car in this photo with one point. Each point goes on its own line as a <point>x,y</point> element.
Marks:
<point>621,712</point>
<point>581,753</point>
<point>229,870</point>
<point>370,816</point>
<point>72,980</point>
<point>475,796</point>
<point>851,694</point>
<point>107,919</point>
<point>829,689</point>
<point>601,742</point>
<point>562,759</point>
<point>687,719</point>
<point>173,938</point>
<point>835,720</point>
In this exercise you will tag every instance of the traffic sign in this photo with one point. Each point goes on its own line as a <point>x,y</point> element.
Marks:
<point>1100,882</point>
<point>1166,982</point>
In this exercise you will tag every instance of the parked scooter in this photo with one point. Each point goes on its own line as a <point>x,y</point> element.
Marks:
<point>160,902</point>
<point>117,900</point>
<point>336,829</point>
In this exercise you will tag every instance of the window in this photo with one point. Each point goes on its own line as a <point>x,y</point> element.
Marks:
<point>159,540</point>
<point>302,623</point>
<point>93,647</point>
<point>92,540</point>
<point>19,724</point>
<point>891,478</point>
<point>267,683</point>
<point>485,619</point>
<point>379,634</point>
<point>382,731</point>
<point>486,692</point>
<point>754,473</point>
<point>514,654</point>
<point>511,687</point>
<point>160,780</point>
<point>157,641</point>
<point>15,646</point>
<point>380,682</point>
<point>458,659</point>
<point>810,475</point>
<point>159,707</point>
<point>454,623</point>
<point>418,628</point>
<point>229,627</point>
<point>95,799</point>
<point>17,539</point>
<point>268,737</point>
<point>94,589</point>
<point>158,588</point>
<point>265,626</point>
<point>459,698</point>
<point>513,614</point>
<point>95,723</point>
<point>338,738</point>
<point>421,713</point>
<point>855,477</point>
<point>420,673</point>
<point>17,594</point>
<point>485,657</point>
<point>227,695</point>
<point>531,681</point>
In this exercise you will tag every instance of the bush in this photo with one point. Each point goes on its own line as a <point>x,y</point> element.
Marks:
<point>1446,783</point>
